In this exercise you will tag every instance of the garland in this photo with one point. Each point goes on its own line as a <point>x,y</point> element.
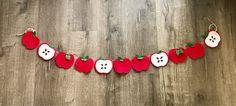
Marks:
<point>121,65</point>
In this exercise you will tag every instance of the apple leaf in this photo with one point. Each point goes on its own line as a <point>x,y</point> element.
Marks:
<point>120,58</point>
<point>205,35</point>
<point>84,58</point>
<point>101,58</point>
<point>68,56</point>
<point>159,51</point>
<point>139,56</point>
<point>189,44</point>
<point>178,52</point>
<point>34,33</point>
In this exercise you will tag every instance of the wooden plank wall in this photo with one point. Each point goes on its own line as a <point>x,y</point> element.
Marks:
<point>110,28</point>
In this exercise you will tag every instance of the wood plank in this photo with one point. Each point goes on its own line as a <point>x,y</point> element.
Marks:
<point>17,64</point>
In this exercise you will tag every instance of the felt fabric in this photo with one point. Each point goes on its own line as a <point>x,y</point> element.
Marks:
<point>213,39</point>
<point>159,59</point>
<point>140,64</point>
<point>177,58</point>
<point>63,62</point>
<point>29,40</point>
<point>46,52</point>
<point>103,66</point>
<point>122,66</point>
<point>84,66</point>
<point>196,51</point>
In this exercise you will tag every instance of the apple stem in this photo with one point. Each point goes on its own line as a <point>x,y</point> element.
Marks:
<point>120,58</point>
<point>139,56</point>
<point>67,56</point>
<point>34,33</point>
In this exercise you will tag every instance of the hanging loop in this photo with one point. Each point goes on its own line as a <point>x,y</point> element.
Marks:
<point>212,25</point>
<point>30,29</point>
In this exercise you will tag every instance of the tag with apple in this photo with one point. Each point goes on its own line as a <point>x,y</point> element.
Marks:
<point>212,39</point>
<point>103,66</point>
<point>46,52</point>
<point>159,59</point>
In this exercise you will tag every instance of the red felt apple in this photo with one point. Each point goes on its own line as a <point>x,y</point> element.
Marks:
<point>30,40</point>
<point>194,51</point>
<point>177,55</point>
<point>64,60</point>
<point>140,63</point>
<point>122,65</point>
<point>84,64</point>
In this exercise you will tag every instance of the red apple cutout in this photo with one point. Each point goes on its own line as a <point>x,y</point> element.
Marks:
<point>103,66</point>
<point>194,51</point>
<point>46,52</point>
<point>30,40</point>
<point>64,60</point>
<point>213,39</point>
<point>159,59</point>
<point>122,65</point>
<point>140,63</point>
<point>177,55</point>
<point>84,64</point>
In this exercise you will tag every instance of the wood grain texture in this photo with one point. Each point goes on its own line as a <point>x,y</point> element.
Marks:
<point>110,28</point>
